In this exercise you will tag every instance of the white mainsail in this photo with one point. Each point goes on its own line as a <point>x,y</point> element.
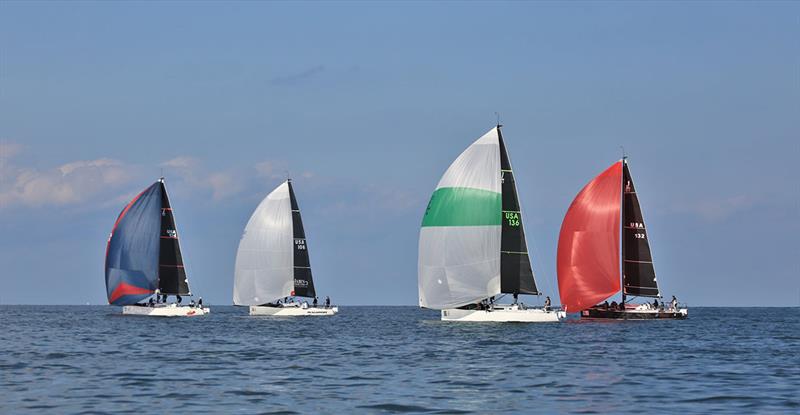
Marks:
<point>459,243</point>
<point>265,260</point>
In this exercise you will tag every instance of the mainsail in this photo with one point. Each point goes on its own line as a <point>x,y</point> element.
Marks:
<point>465,232</point>
<point>516,274</point>
<point>638,274</point>
<point>272,259</point>
<point>303,284</point>
<point>171,272</point>
<point>589,245</point>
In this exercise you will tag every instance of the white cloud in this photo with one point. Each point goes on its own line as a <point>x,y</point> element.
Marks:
<point>192,173</point>
<point>224,185</point>
<point>182,162</point>
<point>9,149</point>
<point>71,183</point>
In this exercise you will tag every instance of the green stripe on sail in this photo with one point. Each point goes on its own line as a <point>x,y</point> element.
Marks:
<point>463,206</point>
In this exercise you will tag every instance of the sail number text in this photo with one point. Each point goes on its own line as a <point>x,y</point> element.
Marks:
<point>512,218</point>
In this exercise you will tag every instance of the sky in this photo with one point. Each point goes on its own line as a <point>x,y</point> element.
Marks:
<point>366,104</point>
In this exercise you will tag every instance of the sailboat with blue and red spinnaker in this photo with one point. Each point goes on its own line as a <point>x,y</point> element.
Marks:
<point>144,264</point>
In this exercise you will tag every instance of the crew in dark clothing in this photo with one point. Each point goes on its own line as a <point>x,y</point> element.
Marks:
<point>674,303</point>
<point>315,301</point>
<point>151,302</point>
<point>327,301</point>
<point>547,304</point>
<point>613,305</point>
<point>179,298</point>
<point>191,303</point>
<point>516,296</point>
<point>200,302</point>
<point>655,304</point>
<point>605,304</point>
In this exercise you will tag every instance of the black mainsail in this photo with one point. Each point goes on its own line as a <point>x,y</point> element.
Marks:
<point>303,283</point>
<point>516,274</point>
<point>171,273</point>
<point>638,273</point>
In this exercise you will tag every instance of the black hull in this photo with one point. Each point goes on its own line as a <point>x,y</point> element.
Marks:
<point>605,314</point>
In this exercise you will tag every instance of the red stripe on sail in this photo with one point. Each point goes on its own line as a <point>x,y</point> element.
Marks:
<point>588,245</point>
<point>127,289</point>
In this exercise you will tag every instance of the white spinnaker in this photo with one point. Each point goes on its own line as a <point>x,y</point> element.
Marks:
<point>265,260</point>
<point>459,265</point>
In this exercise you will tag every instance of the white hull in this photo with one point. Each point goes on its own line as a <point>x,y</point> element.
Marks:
<point>292,311</point>
<point>168,310</point>
<point>510,314</point>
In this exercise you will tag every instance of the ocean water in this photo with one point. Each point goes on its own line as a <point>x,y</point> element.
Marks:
<point>77,359</point>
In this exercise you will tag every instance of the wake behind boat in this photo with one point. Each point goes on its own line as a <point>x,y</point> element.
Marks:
<point>272,262</point>
<point>472,244</point>
<point>144,260</point>
<point>591,254</point>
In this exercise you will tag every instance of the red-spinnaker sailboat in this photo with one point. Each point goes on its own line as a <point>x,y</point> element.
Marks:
<point>603,249</point>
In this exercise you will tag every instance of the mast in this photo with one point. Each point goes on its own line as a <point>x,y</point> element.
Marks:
<point>516,274</point>
<point>172,278</point>
<point>303,282</point>
<point>621,228</point>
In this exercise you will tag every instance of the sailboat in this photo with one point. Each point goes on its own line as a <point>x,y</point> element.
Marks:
<point>272,263</point>
<point>603,232</point>
<point>144,260</point>
<point>472,244</point>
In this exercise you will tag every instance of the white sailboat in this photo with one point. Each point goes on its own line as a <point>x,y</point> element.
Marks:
<point>472,245</point>
<point>144,260</point>
<point>272,263</point>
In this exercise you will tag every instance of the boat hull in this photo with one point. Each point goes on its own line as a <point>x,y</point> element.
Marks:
<point>170,310</point>
<point>292,311</point>
<point>504,315</point>
<point>634,314</point>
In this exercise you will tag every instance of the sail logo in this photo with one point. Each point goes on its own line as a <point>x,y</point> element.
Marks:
<point>300,244</point>
<point>636,225</point>
<point>512,218</point>
<point>300,283</point>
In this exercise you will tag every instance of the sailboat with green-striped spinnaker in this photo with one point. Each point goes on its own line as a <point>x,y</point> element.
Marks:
<point>472,245</point>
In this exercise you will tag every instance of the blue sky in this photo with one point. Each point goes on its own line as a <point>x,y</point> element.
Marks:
<point>366,105</point>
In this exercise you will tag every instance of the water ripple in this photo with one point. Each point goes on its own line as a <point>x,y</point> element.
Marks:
<point>395,360</point>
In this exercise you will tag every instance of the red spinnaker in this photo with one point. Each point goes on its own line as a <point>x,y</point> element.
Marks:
<point>588,245</point>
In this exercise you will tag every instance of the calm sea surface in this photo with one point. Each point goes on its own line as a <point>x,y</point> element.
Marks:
<point>395,359</point>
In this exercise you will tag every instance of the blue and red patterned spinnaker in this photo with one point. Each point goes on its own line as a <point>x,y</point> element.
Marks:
<point>132,253</point>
